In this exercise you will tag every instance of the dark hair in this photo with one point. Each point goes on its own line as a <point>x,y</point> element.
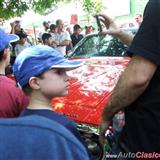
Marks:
<point>45,36</point>
<point>22,34</point>
<point>17,21</point>
<point>27,89</point>
<point>1,54</point>
<point>76,26</point>
<point>53,26</point>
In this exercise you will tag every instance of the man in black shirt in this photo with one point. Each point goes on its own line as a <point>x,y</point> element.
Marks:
<point>138,89</point>
<point>76,36</point>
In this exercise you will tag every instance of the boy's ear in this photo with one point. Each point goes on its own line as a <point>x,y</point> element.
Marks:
<point>34,83</point>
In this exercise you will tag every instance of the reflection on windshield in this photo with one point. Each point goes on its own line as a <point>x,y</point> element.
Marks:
<point>99,45</point>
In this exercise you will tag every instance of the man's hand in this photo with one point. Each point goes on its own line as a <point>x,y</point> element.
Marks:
<point>114,30</point>
<point>13,24</point>
<point>111,26</point>
<point>103,128</point>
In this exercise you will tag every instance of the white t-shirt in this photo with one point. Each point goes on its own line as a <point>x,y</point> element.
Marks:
<point>19,47</point>
<point>59,38</point>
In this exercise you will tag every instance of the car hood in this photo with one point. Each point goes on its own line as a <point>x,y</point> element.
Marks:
<point>90,88</point>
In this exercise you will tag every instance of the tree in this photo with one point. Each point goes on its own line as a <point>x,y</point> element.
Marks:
<point>92,7</point>
<point>12,8</point>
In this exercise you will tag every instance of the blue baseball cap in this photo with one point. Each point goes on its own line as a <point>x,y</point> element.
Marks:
<point>35,60</point>
<point>5,39</point>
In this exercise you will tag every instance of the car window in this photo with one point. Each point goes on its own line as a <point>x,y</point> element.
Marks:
<point>99,45</point>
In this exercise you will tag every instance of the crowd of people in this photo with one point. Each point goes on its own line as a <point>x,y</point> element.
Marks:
<point>61,38</point>
<point>56,35</point>
<point>39,67</point>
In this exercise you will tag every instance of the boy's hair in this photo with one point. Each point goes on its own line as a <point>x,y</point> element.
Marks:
<point>45,23</point>
<point>1,54</point>
<point>27,90</point>
<point>53,26</point>
<point>76,26</point>
<point>45,37</point>
<point>22,34</point>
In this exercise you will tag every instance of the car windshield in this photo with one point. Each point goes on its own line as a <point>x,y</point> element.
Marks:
<point>99,45</point>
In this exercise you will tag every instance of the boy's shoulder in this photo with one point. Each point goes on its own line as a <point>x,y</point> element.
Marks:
<point>50,139</point>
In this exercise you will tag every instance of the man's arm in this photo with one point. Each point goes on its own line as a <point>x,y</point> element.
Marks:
<point>114,30</point>
<point>125,37</point>
<point>64,43</point>
<point>131,85</point>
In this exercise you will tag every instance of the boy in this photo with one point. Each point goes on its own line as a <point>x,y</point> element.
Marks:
<point>22,43</point>
<point>48,40</point>
<point>76,36</point>
<point>41,72</point>
<point>12,99</point>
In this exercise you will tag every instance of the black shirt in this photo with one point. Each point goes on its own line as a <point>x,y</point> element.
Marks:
<point>76,38</point>
<point>141,131</point>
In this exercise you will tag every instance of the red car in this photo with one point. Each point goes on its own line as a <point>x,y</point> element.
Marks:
<point>104,59</point>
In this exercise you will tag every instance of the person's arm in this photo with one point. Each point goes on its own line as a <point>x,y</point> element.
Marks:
<point>125,37</point>
<point>114,30</point>
<point>66,39</point>
<point>64,43</point>
<point>12,28</point>
<point>131,85</point>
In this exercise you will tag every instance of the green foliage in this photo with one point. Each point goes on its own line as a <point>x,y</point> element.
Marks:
<point>92,7</point>
<point>42,5</point>
<point>12,8</point>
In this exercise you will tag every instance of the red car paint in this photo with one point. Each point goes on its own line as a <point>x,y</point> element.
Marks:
<point>91,86</point>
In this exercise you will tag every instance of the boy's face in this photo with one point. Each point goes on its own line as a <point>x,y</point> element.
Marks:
<point>22,41</point>
<point>77,31</point>
<point>49,41</point>
<point>54,83</point>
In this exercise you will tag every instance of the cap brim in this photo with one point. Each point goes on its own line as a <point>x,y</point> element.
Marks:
<point>12,38</point>
<point>68,65</point>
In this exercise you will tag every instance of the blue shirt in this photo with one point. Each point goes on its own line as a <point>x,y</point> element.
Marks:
<point>38,138</point>
<point>67,123</point>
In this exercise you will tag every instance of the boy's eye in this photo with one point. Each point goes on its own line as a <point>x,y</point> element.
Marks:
<point>59,71</point>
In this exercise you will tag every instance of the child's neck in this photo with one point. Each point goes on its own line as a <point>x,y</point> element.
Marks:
<point>39,107</point>
<point>2,67</point>
<point>39,103</point>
